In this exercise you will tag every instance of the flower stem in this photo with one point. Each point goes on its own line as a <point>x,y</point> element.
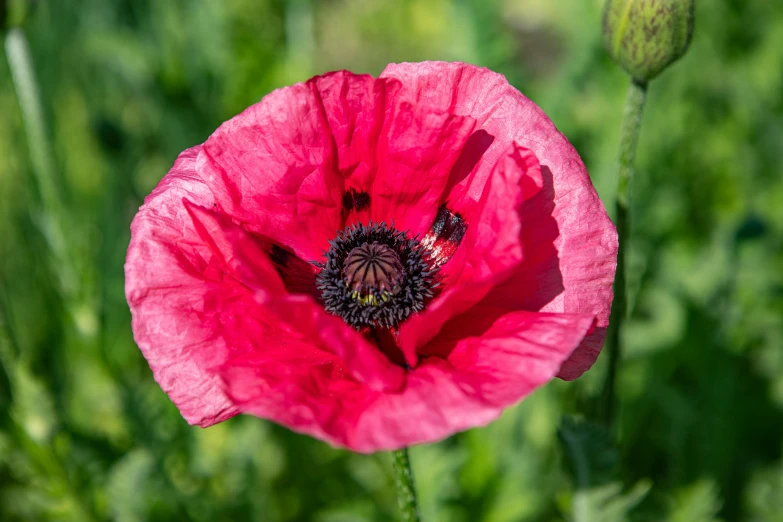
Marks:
<point>629,138</point>
<point>51,216</point>
<point>406,491</point>
<point>29,97</point>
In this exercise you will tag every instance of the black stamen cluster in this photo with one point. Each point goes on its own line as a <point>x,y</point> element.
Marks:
<point>373,304</point>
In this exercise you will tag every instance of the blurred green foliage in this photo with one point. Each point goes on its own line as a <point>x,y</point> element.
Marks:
<point>86,434</point>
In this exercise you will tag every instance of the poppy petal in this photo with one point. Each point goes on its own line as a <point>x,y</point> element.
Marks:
<point>415,156</point>
<point>242,255</point>
<point>489,250</point>
<point>480,377</point>
<point>583,261</point>
<point>363,360</point>
<point>280,166</point>
<point>244,258</point>
<point>166,289</point>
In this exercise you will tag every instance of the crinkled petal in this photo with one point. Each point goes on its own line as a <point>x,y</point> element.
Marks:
<point>202,289</point>
<point>416,152</point>
<point>309,159</point>
<point>573,253</point>
<point>479,377</point>
<point>490,249</point>
<point>362,360</point>
<point>583,257</point>
<point>167,291</point>
<point>280,167</point>
<point>517,353</point>
<point>306,392</point>
<point>243,257</point>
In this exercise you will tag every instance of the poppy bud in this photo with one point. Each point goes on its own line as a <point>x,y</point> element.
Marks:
<point>646,36</point>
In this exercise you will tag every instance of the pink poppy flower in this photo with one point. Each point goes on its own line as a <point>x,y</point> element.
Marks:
<point>373,262</point>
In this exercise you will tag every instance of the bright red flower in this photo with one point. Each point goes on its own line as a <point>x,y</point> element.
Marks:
<point>374,262</point>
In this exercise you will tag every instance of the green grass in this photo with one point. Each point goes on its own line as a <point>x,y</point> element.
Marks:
<point>86,434</point>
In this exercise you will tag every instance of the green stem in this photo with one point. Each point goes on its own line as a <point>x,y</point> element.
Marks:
<point>406,490</point>
<point>29,97</point>
<point>629,138</point>
<point>52,218</point>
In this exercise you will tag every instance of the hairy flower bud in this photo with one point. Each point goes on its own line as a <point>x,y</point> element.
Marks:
<point>646,36</point>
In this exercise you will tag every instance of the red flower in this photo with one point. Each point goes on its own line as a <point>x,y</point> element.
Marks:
<point>374,262</point>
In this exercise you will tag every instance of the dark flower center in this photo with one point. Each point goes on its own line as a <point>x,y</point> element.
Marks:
<point>375,276</point>
<point>373,266</point>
